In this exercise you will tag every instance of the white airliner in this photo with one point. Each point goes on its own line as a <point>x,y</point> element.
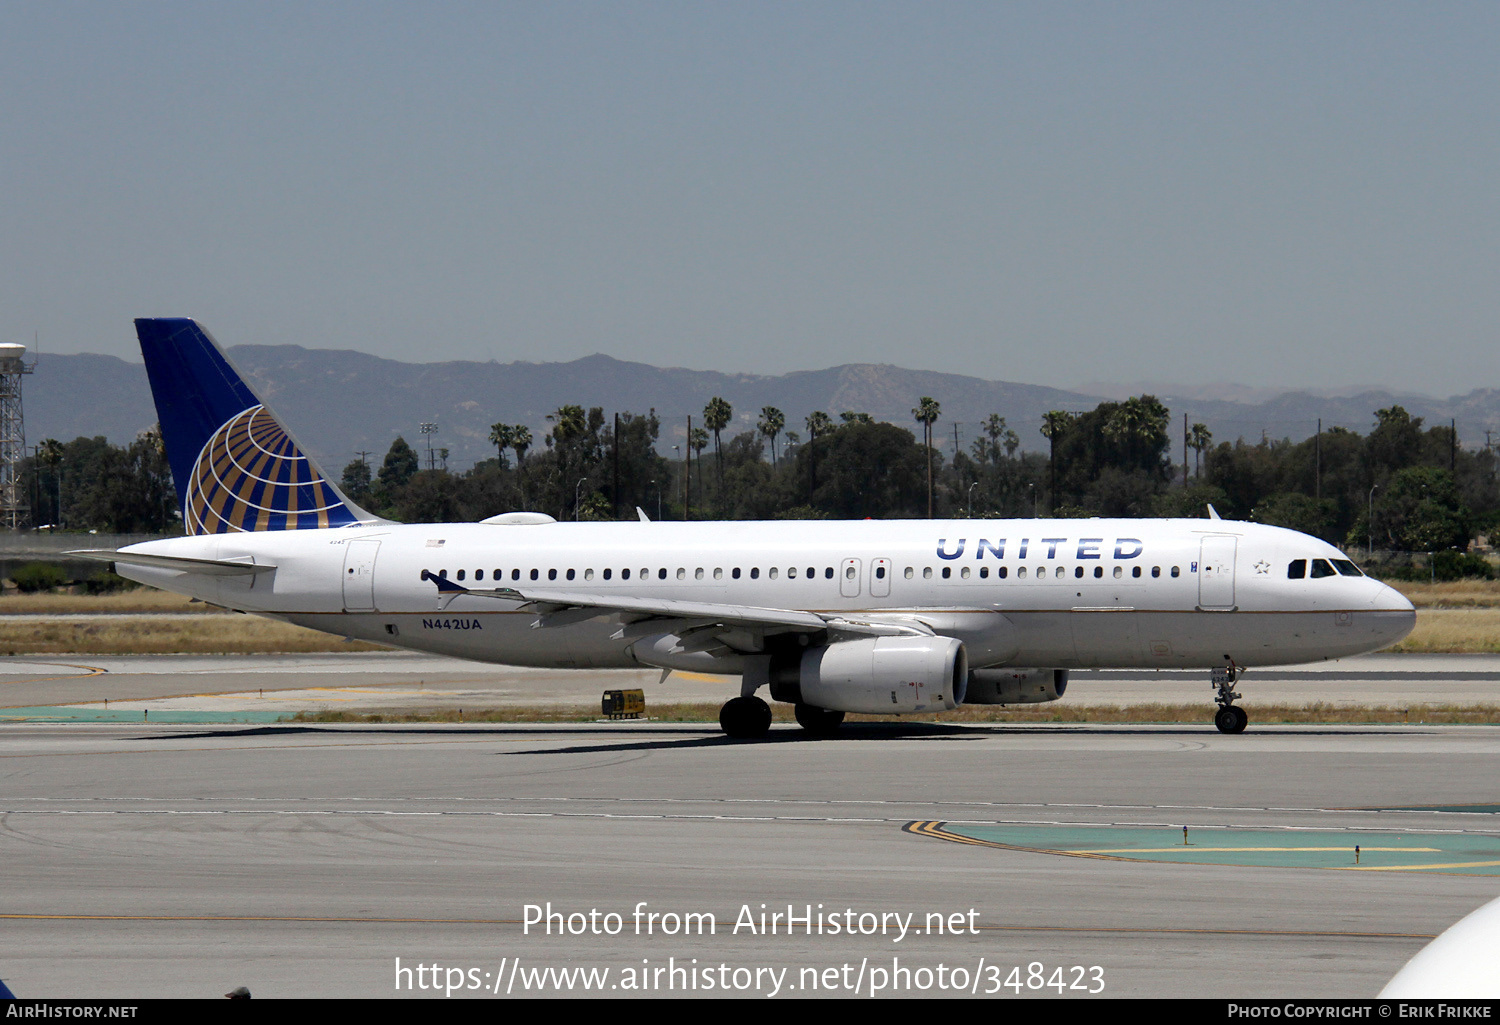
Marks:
<point>864,616</point>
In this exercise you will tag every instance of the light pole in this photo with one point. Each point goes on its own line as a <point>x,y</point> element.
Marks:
<point>971,498</point>
<point>428,430</point>
<point>575,497</point>
<point>658,497</point>
<point>1370,526</point>
<point>1033,500</point>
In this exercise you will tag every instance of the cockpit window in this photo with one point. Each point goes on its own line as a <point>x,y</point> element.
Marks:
<point>1320,568</point>
<point>1347,568</point>
<point>1296,569</point>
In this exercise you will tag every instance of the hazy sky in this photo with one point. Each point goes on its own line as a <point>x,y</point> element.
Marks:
<point>1292,194</point>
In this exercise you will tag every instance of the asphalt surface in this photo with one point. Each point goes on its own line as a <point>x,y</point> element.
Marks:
<point>403,680</point>
<point>185,861</point>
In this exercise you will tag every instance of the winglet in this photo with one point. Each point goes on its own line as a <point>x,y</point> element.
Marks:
<point>642,514</point>
<point>1213,513</point>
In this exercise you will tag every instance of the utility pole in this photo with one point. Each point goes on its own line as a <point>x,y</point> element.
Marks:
<point>1453,447</point>
<point>1318,462</point>
<point>615,485</point>
<point>1184,449</point>
<point>687,477</point>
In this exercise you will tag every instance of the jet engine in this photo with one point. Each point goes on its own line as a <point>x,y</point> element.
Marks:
<point>1015,686</point>
<point>877,675</point>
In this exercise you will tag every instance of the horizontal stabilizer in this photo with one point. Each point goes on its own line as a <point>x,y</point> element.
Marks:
<point>208,567</point>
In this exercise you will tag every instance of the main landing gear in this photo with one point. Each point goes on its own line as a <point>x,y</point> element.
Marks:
<point>819,722</point>
<point>1230,718</point>
<point>746,717</point>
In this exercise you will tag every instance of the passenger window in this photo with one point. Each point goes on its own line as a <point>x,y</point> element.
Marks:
<point>849,572</point>
<point>499,574</point>
<point>607,573</point>
<point>1135,571</point>
<point>735,573</point>
<point>1060,572</point>
<point>460,574</point>
<point>1296,569</point>
<point>964,572</point>
<point>754,572</point>
<point>1156,571</point>
<point>698,573</point>
<point>479,574</point>
<point>552,574</point>
<point>1119,572</point>
<point>926,572</point>
<point>624,574</point>
<point>681,573</point>
<point>536,574</point>
<point>588,574</point>
<point>828,573</point>
<point>984,572</point>
<point>1002,572</point>
<point>1176,572</point>
<point>1021,573</point>
<point>947,572</point>
<point>1078,572</point>
<point>879,572</point>
<point>661,574</point>
<point>812,571</point>
<point>570,574</point>
<point>910,572</point>
<point>443,573</point>
<point>515,574</point>
<point>1320,568</point>
<point>718,573</point>
<point>425,574</point>
<point>791,573</point>
<point>771,572</point>
<point>1099,571</point>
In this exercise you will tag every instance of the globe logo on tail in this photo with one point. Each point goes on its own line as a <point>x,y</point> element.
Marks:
<point>251,476</point>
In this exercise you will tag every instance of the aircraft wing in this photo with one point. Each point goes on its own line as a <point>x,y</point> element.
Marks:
<point>551,603</point>
<point>209,567</point>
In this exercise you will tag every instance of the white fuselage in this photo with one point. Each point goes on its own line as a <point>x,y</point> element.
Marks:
<point>1046,593</point>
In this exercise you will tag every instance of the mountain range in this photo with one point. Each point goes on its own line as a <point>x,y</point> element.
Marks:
<point>342,402</point>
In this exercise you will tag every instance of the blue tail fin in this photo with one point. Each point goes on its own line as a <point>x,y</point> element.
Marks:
<point>235,466</point>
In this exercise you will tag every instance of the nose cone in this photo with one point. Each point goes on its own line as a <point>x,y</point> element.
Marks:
<point>1391,616</point>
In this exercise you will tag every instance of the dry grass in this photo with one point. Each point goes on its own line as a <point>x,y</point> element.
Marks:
<point>140,599</point>
<point>1457,594</point>
<point>1453,631</point>
<point>1059,712</point>
<point>127,635</point>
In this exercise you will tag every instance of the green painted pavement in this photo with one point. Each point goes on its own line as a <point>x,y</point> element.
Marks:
<point>1466,854</point>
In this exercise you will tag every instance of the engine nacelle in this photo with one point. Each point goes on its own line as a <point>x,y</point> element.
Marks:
<point>1015,686</point>
<point>879,675</point>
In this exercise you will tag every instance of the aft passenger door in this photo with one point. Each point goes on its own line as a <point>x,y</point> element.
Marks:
<point>1216,573</point>
<point>359,575</point>
<point>880,578</point>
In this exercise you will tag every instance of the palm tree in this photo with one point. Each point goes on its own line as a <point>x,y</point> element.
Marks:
<point>926,414</point>
<point>698,441</point>
<point>851,417</point>
<point>1055,423</point>
<point>520,440</point>
<point>50,454</point>
<point>716,417</point>
<point>1199,438</point>
<point>818,422</point>
<point>771,423</point>
<point>500,436</point>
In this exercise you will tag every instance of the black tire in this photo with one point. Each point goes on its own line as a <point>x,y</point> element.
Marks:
<point>745,717</point>
<point>820,722</point>
<point>1232,719</point>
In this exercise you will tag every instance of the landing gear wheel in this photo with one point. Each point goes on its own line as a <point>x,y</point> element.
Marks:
<point>745,718</point>
<point>1232,719</point>
<point>819,722</point>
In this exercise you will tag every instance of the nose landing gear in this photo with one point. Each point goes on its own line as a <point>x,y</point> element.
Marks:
<point>1230,718</point>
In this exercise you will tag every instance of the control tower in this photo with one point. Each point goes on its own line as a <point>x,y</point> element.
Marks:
<point>13,367</point>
